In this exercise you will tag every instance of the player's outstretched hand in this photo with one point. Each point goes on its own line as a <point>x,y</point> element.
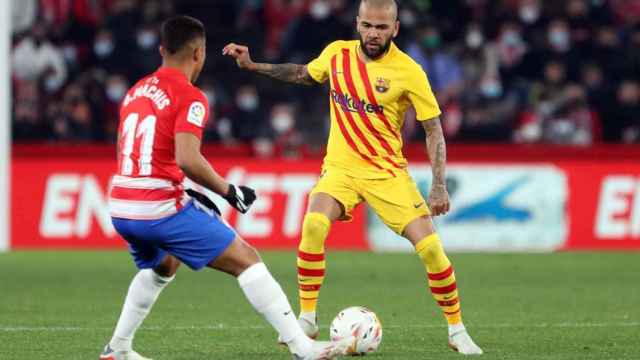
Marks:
<point>240,197</point>
<point>240,53</point>
<point>439,200</point>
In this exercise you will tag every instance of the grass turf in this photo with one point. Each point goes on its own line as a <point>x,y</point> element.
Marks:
<point>63,305</point>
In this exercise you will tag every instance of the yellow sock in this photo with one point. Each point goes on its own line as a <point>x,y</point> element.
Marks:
<point>311,263</point>
<point>442,280</point>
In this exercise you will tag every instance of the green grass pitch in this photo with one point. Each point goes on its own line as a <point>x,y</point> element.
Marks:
<point>63,305</point>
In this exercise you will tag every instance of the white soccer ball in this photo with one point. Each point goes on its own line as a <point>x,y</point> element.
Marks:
<point>360,323</point>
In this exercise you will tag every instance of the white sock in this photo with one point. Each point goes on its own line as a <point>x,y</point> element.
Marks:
<point>267,297</point>
<point>143,292</point>
<point>309,316</point>
<point>454,328</point>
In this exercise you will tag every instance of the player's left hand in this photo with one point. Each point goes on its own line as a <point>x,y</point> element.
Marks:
<point>439,200</point>
<point>240,197</point>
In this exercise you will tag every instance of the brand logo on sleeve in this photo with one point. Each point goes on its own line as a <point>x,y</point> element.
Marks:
<point>196,114</point>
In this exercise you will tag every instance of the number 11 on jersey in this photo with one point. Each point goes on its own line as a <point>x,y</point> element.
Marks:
<point>138,134</point>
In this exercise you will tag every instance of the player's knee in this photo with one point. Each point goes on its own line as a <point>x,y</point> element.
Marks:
<point>315,227</point>
<point>431,251</point>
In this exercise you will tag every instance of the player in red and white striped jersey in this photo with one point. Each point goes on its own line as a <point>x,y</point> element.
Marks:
<point>161,123</point>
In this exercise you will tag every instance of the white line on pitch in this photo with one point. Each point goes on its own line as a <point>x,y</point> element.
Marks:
<point>259,327</point>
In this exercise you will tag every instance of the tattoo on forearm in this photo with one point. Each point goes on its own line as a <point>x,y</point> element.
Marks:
<point>437,151</point>
<point>291,73</point>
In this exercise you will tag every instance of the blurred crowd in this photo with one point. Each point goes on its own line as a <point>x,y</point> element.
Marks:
<point>524,71</point>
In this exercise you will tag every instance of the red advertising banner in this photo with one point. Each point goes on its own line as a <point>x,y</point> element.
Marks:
<point>58,200</point>
<point>604,205</point>
<point>61,202</point>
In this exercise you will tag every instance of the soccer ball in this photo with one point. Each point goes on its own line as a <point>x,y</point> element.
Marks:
<point>362,324</point>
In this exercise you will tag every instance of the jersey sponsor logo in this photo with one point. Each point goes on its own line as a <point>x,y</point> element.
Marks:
<point>383,85</point>
<point>196,114</point>
<point>348,103</point>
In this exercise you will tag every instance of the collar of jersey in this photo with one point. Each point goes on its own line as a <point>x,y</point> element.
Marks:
<point>171,72</point>
<point>383,60</point>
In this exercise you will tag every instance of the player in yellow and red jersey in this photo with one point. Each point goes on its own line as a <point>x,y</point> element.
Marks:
<point>373,83</point>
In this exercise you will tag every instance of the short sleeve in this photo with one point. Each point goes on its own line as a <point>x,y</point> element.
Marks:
<point>319,67</point>
<point>421,96</point>
<point>193,114</point>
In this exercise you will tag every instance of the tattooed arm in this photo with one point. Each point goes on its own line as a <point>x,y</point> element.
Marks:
<point>290,73</point>
<point>436,148</point>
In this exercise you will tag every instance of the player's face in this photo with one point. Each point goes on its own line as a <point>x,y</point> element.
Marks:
<point>377,27</point>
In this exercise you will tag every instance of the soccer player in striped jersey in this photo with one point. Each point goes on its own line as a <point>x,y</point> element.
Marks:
<point>372,84</point>
<point>161,123</point>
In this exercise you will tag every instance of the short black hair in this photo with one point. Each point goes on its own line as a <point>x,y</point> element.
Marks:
<point>178,31</point>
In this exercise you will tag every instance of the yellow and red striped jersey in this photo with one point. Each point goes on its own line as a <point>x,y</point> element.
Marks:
<point>368,102</point>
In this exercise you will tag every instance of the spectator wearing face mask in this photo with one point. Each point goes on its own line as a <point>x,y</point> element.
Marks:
<point>624,114</point>
<point>116,87</point>
<point>35,58</point>
<point>107,54</point>
<point>248,119</point>
<point>442,68</point>
<point>558,45</point>
<point>510,50</point>
<point>314,30</point>
<point>145,57</point>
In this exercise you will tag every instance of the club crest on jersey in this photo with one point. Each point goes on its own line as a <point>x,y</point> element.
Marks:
<point>196,114</point>
<point>382,85</point>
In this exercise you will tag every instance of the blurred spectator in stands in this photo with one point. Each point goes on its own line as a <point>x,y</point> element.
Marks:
<point>625,114</point>
<point>23,14</point>
<point>27,119</point>
<point>598,89</point>
<point>107,54</point>
<point>442,68</point>
<point>580,25</point>
<point>511,50</point>
<point>558,46</point>
<point>307,36</point>
<point>283,127</point>
<point>116,87</point>
<point>248,120</point>
<point>487,110</point>
<point>78,115</point>
<point>278,15</point>
<point>145,58</point>
<point>632,54</point>
<point>36,58</point>
<point>606,51</point>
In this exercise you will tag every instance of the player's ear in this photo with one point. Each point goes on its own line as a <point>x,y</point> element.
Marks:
<point>396,29</point>
<point>162,51</point>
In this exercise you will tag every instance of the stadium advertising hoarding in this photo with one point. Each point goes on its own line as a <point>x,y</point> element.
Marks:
<point>61,203</point>
<point>493,208</point>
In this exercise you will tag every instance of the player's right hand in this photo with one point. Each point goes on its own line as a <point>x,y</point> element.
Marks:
<point>240,197</point>
<point>240,53</point>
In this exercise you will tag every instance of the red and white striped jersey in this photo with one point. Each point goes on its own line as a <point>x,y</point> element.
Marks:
<point>148,184</point>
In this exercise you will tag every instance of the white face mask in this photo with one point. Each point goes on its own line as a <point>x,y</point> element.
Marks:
<point>147,39</point>
<point>282,123</point>
<point>491,88</point>
<point>116,92</point>
<point>211,96</point>
<point>70,54</point>
<point>103,48</point>
<point>248,102</point>
<point>474,39</point>
<point>529,13</point>
<point>53,83</point>
<point>320,10</point>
